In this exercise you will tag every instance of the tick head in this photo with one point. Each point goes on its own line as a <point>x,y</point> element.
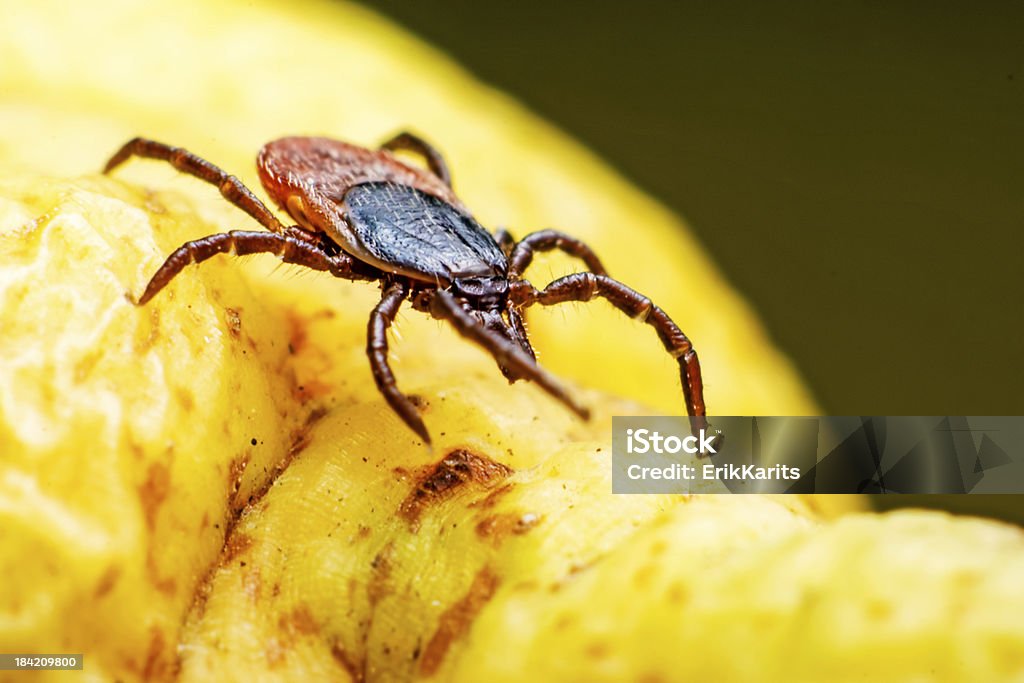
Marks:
<point>481,293</point>
<point>486,299</point>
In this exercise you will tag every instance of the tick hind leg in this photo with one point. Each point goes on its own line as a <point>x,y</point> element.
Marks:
<point>446,307</point>
<point>417,145</point>
<point>231,188</point>
<point>289,249</point>
<point>547,240</point>
<point>586,286</point>
<point>381,318</point>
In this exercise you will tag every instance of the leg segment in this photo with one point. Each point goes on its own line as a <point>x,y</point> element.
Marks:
<point>518,325</point>
<point>446,307</point>
<point>417,145</point>
<point>505,240</point>
<point>546,240</point>
<point>288,249</point>
<point>377,349</point>
<point>586,286</point>
<point>230,187</point>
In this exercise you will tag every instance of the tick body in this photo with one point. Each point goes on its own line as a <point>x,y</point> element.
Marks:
<point>363,214</point>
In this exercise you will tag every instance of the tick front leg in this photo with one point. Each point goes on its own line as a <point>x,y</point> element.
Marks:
<point>547,240</point>
<point>288,249</point>
<point>417,145</point>
<point>586,286</point>
<point>231,188</point>
<point>381,318</point>
<point>446,307</point>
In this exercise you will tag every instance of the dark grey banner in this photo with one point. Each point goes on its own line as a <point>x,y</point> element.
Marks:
<point>945,454</point>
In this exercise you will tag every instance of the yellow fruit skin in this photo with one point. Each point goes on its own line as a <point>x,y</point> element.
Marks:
<point>726,591</point>
<point>120,471</point>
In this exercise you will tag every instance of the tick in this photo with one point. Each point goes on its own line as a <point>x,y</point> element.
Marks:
<point>363,214</point>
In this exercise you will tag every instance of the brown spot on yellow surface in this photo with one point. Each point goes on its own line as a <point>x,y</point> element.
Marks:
<point>298,333</point>
<point>380,573</point>
<point>419,402</point>
<point>154,490</point>
<point>202,593</point>
<point>290,627</point>
<point>344,659</point>
<point>236,470</point>
<point>812,504</point>
<point>235,545</point>
<point>574,569</point>
<point>492,498</point>
<point>167,586</point>
<point>496,528</point>
<point>310,389</point>
<point>298,622</point>
<point>234,322</point>
<point>599,649</point>
<point>564,621</point>
<point>107,581</point>
<point>298,329</point>
<point>185,398</point>
<point>157,666</point>
<point>456,620</point>
<point>301,437</point>
<point>457,470</point>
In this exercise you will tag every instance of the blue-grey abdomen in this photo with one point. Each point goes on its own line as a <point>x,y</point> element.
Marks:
<point>403,230</point>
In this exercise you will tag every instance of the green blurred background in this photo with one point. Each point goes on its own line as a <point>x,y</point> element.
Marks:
<point>856,169</point>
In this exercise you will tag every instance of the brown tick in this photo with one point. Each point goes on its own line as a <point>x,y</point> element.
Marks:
<point>365,215</point>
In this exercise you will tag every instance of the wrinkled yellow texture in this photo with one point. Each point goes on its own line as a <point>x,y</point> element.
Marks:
<point>719,591</point>
<point>126,434</point>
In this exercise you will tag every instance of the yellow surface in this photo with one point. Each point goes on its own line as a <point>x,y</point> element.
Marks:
<point>132,439</point>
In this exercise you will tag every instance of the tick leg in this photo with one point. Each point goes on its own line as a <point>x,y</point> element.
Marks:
<point>547,240</point>
<point>230,187</point>
<point>288,249</point>
<point>518,325</point>
<point>446,307</point>
<point>505,240</point>
<point>586,286</point>
<point>417,145</point>
<point>381,318</point>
